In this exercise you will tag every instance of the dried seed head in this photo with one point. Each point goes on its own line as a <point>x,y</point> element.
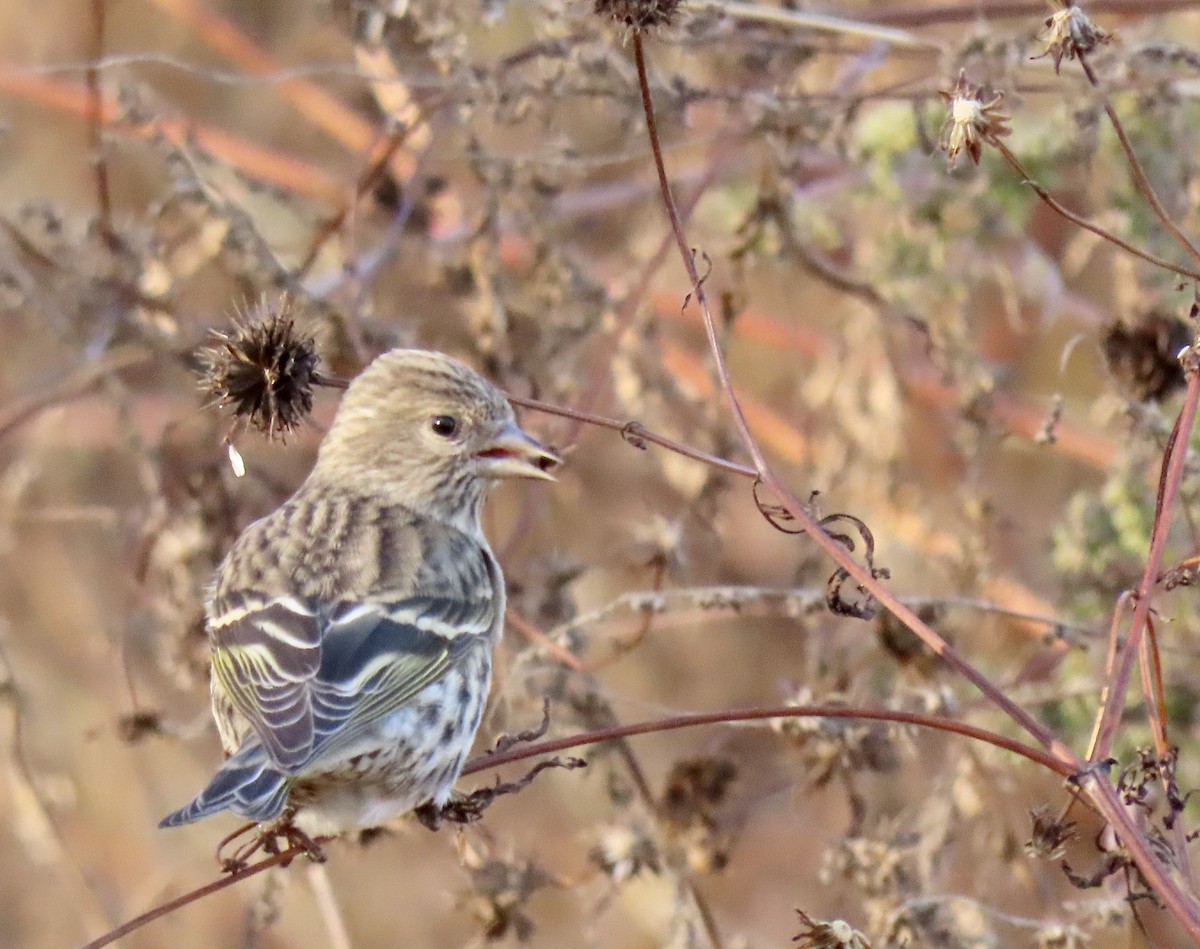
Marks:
<point>971,121</point>
<point>263,370</point>
<point>1050,834</point>
<point>1069,34</point>
<point>639,15</point>
<point>1144,358</point>
<point>622,853</point>
<point>819,934</point>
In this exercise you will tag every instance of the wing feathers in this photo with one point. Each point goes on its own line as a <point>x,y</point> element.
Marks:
<point>311,679</point>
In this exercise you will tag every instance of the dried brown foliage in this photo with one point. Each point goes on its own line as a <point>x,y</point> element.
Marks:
<point>977,367</point>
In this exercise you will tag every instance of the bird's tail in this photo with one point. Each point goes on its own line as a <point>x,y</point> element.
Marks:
<point>247,784</point>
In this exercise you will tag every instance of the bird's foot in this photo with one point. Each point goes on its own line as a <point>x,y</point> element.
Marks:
<point>267,839</point>
<point>468,808</point>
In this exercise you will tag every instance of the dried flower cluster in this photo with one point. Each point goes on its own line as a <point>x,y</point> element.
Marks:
<point>639,15</point>
<point>820,934</point>
<point>974,118</point>
<point>1069,33</point>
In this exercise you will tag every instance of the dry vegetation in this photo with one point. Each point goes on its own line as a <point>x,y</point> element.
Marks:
<point>980,373</point>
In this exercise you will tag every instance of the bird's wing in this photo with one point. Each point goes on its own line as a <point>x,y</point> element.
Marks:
<point>310,677</point>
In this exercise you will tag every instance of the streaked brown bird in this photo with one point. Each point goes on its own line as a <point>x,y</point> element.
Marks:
<point>352,629</point>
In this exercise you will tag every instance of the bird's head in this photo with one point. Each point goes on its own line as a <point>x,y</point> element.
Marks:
<point>430,431</point>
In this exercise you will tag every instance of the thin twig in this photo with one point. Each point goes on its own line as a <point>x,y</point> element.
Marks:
<point>803,20</point>
<point>95,119</point>
<point>1109,715</point>
<point>336,933</point>
<point>281,859</point>
<point>972,11</point>
<point>803,519</point>
<point>636,434</point>
<point>77,384</point>
<point>1140,180</point>
<point>732,716</point>
<point>1182,905</point>
<point>1087,225</point>
<point>29,815</point>
<point>283,170</point>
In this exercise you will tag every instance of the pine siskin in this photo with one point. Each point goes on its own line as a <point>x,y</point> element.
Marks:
<point>352,629</point>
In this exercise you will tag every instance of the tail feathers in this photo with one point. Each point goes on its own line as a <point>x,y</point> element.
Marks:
<point>246,785</point>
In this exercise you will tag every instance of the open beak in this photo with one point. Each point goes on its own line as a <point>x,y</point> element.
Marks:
<point>512,454</point>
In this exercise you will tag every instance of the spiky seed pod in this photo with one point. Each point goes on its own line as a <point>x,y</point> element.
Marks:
<point>264,370</point>
<point>639,15</point>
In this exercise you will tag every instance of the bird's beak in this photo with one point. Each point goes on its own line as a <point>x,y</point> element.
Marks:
<point>513,454</point>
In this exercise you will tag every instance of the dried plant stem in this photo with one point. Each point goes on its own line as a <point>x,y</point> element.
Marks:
<point>520,752</point>
<point>325,110</point>
<point>972,11</point>
<point>626,312</point>
<point>732,716</point>
<point>336,933</point>
<point>1087,225</point>
<point>95,120</point>
<point>689,258</point>
<point>636,434</point>
<point>29,815</point>
<point>371,176</point>
<point>762,471</point>
<point>1140,181</point>
<point>273,167</point>
<point>538,638</point>
<point>75,385</point>
<point>1182,905</point>
<point>281,859</point>
<point>1113,697</point>
<point>799,19</point>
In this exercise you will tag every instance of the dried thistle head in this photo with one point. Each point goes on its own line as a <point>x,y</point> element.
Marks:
<point>264,370</point>
<point>638,15</point>
<point>971,120</point>
<point>1069,34</point>
<point>1050,834</point>
<point>819,934</point>
<point>1144,358</point>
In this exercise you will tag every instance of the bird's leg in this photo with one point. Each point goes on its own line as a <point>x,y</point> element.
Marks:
<point>267,839</point>
<point>243,852</point>
<point>296,839</point>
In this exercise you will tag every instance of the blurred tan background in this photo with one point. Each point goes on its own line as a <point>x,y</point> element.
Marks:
<point>931,349</point>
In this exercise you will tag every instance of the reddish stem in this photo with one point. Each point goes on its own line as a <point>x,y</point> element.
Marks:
<point>282,858</point>
<point>521,752</point>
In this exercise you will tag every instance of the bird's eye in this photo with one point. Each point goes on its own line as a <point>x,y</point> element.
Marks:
<point>444,425</point>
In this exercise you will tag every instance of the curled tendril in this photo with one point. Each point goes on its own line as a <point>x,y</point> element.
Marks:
<point>708,268</point>
<point>776,514</point>
<point>862,605</point>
